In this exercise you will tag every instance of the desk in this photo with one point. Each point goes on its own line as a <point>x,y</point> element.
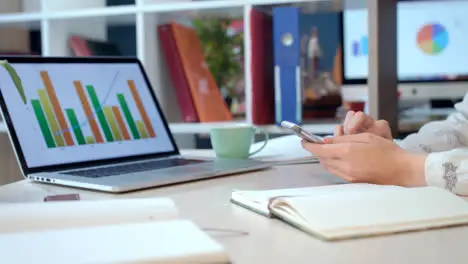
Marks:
<point>272,241</point>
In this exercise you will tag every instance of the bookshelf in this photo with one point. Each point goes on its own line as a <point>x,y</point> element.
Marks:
<point>57,19</point>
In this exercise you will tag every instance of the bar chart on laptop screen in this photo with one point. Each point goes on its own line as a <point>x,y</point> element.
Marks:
<point>66,112</point>
<point>105,122</point>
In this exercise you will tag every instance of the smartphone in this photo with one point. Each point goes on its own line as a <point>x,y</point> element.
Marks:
<point>300,132</point>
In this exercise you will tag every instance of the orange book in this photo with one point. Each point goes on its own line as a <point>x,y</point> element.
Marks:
<point>206,96</point>
<point>337,67</point>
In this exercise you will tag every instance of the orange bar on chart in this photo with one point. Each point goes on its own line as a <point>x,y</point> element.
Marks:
<point>57,108</point>
<point>120,123</point>
<point>139,104</point>
<point>88,112</point>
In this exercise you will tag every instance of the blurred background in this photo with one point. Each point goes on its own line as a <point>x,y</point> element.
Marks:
<point>264,60</point>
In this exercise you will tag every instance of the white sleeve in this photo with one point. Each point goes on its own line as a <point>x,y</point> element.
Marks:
<point>449,170</point>
<point>443,135</point>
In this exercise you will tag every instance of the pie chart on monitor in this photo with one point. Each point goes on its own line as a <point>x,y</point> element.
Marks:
<point>433,39</point>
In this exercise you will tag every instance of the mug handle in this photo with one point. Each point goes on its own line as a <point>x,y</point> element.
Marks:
<point>267,137</point>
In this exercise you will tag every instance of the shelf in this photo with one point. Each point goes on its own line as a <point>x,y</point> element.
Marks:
<point>191,6</point>
<point>405,125</point>
<point>198,128</point>
<point>230,8</point>
<point>164,7</point>
<point>205,128</point>
<point>327,127</point>
<point>225,7</point>
<point>126,10</point>
<point>26,20</point>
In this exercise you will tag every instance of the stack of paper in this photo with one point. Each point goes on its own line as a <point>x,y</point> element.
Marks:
<point>22,217</point>
<point>105,231</point>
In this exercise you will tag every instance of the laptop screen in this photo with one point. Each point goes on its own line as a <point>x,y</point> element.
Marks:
<point>78,112</point>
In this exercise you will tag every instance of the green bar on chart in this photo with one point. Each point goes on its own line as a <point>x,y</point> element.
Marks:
<point>101,117</point>
<point>41,119</point>
<point>75,126</point>
<point>112,122</point>
<point>142,129</point>
<point>90,140</point>
<point>128,116</point>
<point>50,115</point>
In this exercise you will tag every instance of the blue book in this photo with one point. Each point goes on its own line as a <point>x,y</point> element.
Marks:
<point>287,56</point>
<point>306,49</point>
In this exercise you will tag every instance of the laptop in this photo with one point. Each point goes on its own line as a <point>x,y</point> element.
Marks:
<point>95,123</point>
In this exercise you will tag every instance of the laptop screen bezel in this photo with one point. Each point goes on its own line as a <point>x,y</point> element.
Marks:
<point>80,164</point>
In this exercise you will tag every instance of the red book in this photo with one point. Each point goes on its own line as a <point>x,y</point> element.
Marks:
<point>263,91</point>
<point>79,46</point>
<point>176,71</point>
<point>86,47</point>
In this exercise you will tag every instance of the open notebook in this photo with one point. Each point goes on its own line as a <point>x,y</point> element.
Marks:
<point>144,230</point>
<point>346,211</point>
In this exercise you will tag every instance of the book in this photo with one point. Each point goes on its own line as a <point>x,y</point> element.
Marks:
<point>147,230</point>
<point>307,63</point>
<point>258,200</point>
<point>86,47</point>
<point>262,67</point>
<point>346,211</point>
<point>177,74</point>
<point>287,70</point>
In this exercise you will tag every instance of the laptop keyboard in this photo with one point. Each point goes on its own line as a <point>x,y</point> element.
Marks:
<point>132,168</point>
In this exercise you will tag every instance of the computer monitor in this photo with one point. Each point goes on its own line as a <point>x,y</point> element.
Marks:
<point>432,48</point>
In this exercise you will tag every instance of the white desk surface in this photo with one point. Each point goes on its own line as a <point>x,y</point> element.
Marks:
<point>268,240</point>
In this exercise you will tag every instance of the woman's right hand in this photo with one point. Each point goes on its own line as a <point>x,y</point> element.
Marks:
<point>359,122</point>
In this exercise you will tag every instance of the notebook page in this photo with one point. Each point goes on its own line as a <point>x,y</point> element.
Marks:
<point>16,217</point>
<point>258,200</point>
<point>375,212</point>
<point>178,241</point>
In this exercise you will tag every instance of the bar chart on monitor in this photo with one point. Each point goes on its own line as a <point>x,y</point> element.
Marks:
<point>86,117</point>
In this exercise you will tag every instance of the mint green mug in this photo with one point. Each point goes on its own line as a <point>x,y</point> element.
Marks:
<point>234,141</point>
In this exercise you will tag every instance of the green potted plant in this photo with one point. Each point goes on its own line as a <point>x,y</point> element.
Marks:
<point>223,52</point>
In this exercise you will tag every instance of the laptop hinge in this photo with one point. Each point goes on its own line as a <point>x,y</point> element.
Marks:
<point>113,164</point>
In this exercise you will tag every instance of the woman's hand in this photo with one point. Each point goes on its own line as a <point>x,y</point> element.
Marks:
<point>369,158</point>
<point>359,122</point>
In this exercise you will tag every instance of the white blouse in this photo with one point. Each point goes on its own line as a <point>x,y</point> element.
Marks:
<point>446,142</point>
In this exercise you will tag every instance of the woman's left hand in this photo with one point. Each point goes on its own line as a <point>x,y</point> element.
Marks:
<point>369,158</point>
